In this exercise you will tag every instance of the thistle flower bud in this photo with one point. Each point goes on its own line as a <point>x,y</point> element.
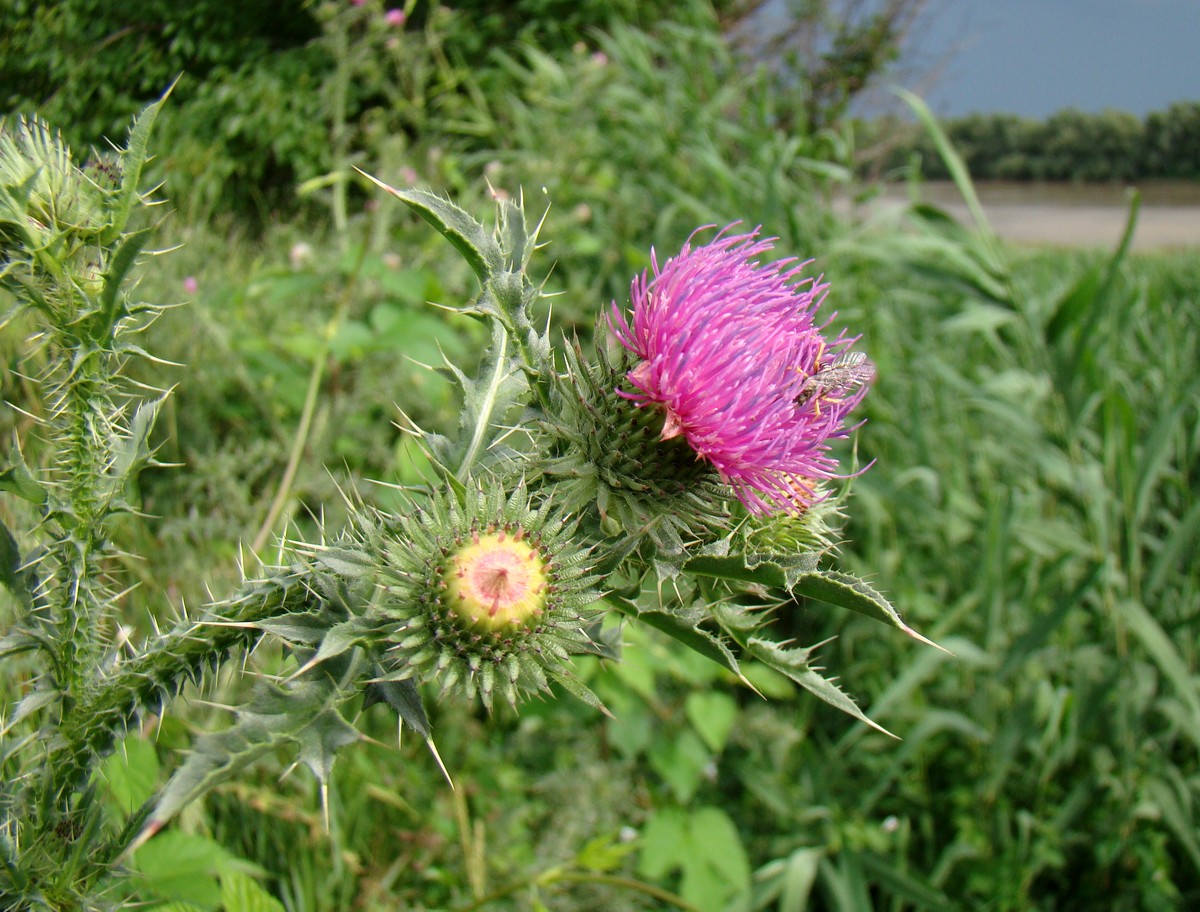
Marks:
<point>495,583</point>
<point>485,594</point>
<point>612,453</point>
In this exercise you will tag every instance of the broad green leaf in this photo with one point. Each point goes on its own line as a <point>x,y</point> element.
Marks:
<point>242,893</point>
<point>681,762</point>
<point>182,867</point>
<point>131,774</point>
<point>663,843</point>
<point>712,714</point>
<point>717,869</point>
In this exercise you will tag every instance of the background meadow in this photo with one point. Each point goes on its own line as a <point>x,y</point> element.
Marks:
<point>1033,504</point>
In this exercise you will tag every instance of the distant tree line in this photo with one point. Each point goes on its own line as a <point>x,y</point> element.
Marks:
<point>1070,145</point>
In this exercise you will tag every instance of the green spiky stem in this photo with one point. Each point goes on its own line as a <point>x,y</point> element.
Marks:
<point>91,727</point>
<point>80,595</point>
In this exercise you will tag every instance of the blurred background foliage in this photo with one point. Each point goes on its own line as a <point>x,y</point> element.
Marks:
<point>1033,505</point>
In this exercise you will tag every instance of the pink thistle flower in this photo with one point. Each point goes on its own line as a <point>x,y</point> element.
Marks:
<point>395,17</point>
<point>190,285</point>
<point>731,352</point>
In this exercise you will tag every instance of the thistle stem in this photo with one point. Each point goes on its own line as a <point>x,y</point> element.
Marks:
<point>91,727</point>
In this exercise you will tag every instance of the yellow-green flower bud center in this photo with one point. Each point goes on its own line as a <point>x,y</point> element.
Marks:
<point>496,582</point>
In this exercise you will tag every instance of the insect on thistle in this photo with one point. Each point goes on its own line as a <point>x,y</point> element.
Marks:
<point>846,372</point>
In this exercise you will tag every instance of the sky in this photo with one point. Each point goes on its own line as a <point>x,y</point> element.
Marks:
<point>1035,57</point>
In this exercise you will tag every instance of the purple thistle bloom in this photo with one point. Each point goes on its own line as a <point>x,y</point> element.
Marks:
<point>730,351</point>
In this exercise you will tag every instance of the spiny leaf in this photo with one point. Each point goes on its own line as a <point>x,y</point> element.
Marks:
<point>301,717</point>
<point>17,479</point>
<point>846,591</point>
<point>131,451</point>
<point>794,663</point>
<point>111,305</point>
<point>404,698</point>
<point>839,589</point>
<point>468,236</point>
<point>682,630</point>
<point>133,159</point>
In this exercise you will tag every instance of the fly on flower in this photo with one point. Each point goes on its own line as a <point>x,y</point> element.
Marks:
<point>846,372</point>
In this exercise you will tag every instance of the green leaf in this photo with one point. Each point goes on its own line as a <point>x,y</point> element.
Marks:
<point>183,867</point>
<point>133,160</point>
<point>300,717</point>
<point>845,591</point>
<point>320,738</point>
<point>706,846</point>
<point>17,479</point>
<point>954,164</point>
<point>242,893</point>
<point>486,402</point>
<point>305,628</point>
<point>733,567</point>
<point>112,307</point>
<point>663,843</point>
<point>515,242</point>
<point>478,247</point>
<point>904,885</point>
<point>795,664</point>
<point>131,774</point>
<point>712,715</point>
<point>405,699</point>
<point>839,589</point>
<point>681,761</point>
<point>32,702</point>
<point>682,629</point>
<point>717,868</point>
<point>13,574</point>
<point>132,451</point>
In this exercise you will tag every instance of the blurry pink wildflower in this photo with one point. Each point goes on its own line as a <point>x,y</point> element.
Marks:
<point>395,17</point>
<point>730,351</point>
<point>190,285</point>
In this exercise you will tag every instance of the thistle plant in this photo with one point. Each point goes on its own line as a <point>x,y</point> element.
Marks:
<point>689,446</point>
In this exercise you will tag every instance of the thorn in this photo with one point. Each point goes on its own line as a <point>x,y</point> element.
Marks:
<point>436,756</point>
